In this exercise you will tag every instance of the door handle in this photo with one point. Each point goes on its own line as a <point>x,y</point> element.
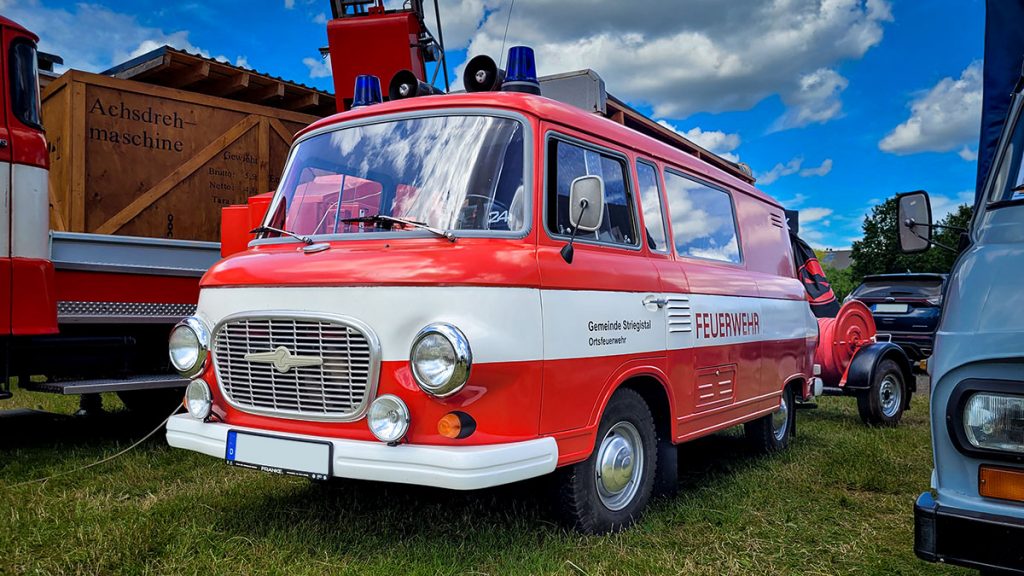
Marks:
<point>3,143</point>
<point>655,301</point>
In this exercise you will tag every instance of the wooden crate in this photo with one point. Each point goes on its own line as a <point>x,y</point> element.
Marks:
<point>142,160</point>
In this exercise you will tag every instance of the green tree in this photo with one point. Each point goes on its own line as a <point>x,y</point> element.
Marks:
<point>879,253</point>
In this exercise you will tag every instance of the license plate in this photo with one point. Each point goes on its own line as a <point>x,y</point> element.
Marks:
<point>892,308</point>
<point>306,458</point>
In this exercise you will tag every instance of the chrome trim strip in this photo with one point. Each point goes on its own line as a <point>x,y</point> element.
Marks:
<point>373,373</point>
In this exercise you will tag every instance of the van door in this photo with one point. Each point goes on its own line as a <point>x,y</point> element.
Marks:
<point>723,304</point>
<point>5,188</point>
<point>599,311</point>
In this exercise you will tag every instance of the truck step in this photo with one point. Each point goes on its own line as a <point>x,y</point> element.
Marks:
<point>140,382</point>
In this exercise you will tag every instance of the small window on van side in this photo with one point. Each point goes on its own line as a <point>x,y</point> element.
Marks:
<point>650,203</point>
<point>703,219</point>
<point>25,83</point>
<point>566,162</point>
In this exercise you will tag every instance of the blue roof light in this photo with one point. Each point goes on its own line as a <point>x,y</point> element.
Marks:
<point>521,75</point>
<point>367,91</point>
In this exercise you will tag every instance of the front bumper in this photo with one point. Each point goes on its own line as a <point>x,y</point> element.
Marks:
<point>455,467</point>
<point>965,538</point>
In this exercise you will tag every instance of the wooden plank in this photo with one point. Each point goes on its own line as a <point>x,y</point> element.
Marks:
<point>263,179</point>
<point>76,139</point>
<point>311,100</point>
<point>269,92</point>
<point>186,96</point>
<point>147,68</point>
<point>189,76</point>
<point>165,185</point>
<point>56,210</point>
<point>285,134</point>
<point>230,85</point>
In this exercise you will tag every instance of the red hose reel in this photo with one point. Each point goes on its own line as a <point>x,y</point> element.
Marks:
<point>840,338</point>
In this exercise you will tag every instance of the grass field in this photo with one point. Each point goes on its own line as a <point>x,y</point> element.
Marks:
<point>839,502</point>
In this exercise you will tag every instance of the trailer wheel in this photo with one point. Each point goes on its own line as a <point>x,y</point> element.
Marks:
<point>159,402</point>
<point>608,491</point>
<point>771,433</point>
<point>883,403</point>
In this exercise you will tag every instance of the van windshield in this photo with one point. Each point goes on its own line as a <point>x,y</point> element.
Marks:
<point>458,173</point>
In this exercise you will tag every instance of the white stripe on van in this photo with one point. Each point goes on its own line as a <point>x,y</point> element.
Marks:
<point>522,324</point>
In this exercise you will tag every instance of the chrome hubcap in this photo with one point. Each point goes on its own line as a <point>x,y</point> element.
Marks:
<point>780,420</point>
<point>620,464</point>
<point>890,396</point>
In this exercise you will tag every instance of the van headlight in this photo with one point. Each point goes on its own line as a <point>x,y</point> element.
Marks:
<point>198,399</point>
<point>440,359</point>
<point>388,418</point>
<point>188,346</point>
<point>995,422</point>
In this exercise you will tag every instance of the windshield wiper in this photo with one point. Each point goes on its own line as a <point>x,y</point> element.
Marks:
<point>379,218</point>
<point>261,229</point>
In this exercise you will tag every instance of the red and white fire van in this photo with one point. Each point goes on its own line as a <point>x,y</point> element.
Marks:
<point>410,311</point>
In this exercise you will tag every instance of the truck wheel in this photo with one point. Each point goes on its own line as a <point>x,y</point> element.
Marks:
<point>882,404</point>
<point>608,491</point>
<point>771,433</point>
<point>159,402</point>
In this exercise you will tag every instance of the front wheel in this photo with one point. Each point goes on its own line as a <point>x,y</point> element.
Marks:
<point>771,433</point>
<point>608,491</point>
<point>883,403</point>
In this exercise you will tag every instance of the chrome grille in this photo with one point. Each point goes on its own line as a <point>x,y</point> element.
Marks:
<point>336,389</point>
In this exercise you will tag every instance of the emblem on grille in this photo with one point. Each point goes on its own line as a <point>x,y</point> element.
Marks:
<point>283,360</point>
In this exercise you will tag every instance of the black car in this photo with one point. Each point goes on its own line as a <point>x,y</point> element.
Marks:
<point>905,306</point>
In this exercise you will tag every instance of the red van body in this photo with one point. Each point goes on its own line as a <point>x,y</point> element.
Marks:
<point>706,342</point>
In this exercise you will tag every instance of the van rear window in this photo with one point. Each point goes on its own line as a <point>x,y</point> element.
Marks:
<point>896,288</point>
<point>566,162</point>
<point>703,221</point>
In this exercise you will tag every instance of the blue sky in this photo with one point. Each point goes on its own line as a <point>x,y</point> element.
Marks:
<point>834,104</point>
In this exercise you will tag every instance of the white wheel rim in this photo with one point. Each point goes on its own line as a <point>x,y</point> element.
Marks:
<point>780,420</point>
<point>619,466</point>
<point>890,396</point>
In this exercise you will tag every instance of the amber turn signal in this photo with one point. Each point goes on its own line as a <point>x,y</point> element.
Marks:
<point>1001,483</point>
<point>456,425</point>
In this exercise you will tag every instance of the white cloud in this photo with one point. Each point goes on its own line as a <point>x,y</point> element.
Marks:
<point>967,154</point>
<point>944,118</point>
<point>816,101</point>
<point>943,206</point>
<point>716,141</point>
<point>808,215</point>
<point>289,4</point>
<point>320,18</point>
<point>92,37</point>
<point>697,56</point>
<point>825,168</point>
<point>318,67</point>
<point>780,170</point>
<point>242,62</point>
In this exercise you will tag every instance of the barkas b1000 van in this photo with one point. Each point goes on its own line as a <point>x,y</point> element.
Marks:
<point>474,289</point>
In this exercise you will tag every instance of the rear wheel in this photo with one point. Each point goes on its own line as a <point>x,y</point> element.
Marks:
<point>771,433</point>
<point>883,403</point>
<point>608,491</point>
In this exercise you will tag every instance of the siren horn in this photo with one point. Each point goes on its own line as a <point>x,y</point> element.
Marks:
<point>405,84</point>
<point>482,75</point>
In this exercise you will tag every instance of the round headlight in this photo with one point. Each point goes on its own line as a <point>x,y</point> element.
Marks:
<point>992,422</point>
<point>188,346</point>
<point>440,359</point>
<point>198,399</point>
<point>388,418</point>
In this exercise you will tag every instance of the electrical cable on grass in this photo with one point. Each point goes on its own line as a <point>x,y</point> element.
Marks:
<point>102,460</point>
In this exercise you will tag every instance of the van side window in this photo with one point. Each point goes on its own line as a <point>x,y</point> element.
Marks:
<point>25,83</point>
<point>566,162</point>
<point>703,220</point>
<point>650,203</point>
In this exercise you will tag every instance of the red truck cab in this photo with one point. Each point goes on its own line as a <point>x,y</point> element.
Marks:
<point>409,312</point>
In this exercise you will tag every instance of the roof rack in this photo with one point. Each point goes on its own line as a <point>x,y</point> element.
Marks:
<point>585,89</point>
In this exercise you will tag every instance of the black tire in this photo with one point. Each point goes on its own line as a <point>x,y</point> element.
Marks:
<point>583,500</point>
<point>159,402</point>
<point>771,433</point>
<point>884,402</point>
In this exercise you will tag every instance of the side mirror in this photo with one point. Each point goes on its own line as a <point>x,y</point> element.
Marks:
<point>586,209</point>
<point>914,221</point>
<point>586,203</point>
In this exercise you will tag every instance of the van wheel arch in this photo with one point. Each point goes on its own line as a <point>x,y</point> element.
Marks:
<point>654,394</point>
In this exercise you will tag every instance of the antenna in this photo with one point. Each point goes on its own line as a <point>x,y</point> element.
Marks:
<point>505,36</point>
